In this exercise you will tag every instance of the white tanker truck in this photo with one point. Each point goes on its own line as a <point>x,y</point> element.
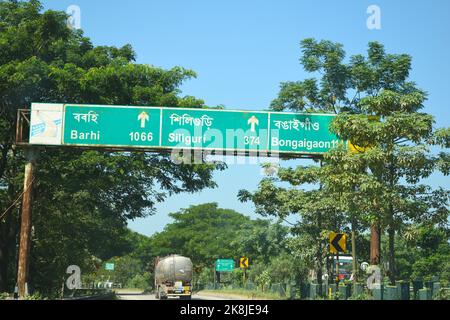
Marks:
<point>173,277</point>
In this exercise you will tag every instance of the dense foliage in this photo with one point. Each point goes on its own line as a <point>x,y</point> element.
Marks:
<point>205,233</point>
<point>82,199</point>
<point>382,183</point>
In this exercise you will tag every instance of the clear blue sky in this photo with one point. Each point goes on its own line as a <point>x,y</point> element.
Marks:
<point>243,49</point>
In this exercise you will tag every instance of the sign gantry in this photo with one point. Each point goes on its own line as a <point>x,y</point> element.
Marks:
<point>134,127</point>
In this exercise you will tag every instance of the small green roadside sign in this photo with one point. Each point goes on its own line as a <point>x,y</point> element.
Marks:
<point>109,267</point>
<point>225,265</point>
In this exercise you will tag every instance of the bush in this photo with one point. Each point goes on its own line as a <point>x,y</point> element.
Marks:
<point>36,296</point>
<point>140,281</point>
<point>4,295</point>
<point>443,294</point>
<point>205,276</point>
<point>362,296</point>
<point>263,280</point>
<point>337,296</point>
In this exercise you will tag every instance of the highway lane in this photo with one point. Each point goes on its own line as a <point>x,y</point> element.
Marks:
<point>139,296</point>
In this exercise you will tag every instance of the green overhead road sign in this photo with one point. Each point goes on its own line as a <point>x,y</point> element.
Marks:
<point>178,128</point>
<point>111,126</point>
<point>215,129</point>
<point>302,133</point>
<point>224,265</point>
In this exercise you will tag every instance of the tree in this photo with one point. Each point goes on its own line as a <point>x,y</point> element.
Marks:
<point>203,233</point>
<point>398,161</point>
<point>260,240</point>
<point>82,198</point>
<point>284,268</point>
<point>133,267</point>
<point>379,186</point>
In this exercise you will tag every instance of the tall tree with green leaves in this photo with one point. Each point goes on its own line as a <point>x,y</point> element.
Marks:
<point>398,161</point>
<point>380,186</point>
<point>82,198</point>
<point>260,240</point>
<point>203,233</point>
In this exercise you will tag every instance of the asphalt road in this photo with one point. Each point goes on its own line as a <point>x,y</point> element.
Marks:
<point>149,297</point>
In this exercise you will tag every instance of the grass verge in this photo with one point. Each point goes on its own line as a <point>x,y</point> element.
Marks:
<point>240,293</point>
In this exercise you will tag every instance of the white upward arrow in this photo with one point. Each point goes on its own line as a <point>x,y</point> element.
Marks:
<point>253,121</point>
<point>143,117</point>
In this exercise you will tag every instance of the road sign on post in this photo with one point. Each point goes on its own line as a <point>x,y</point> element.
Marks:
<point>157,128</point>
<point>243,263</point>
<point>225,265</point>
<point>338,242</point>
<point>109,267</point>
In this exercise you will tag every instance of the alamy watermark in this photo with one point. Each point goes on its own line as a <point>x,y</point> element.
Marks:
<point>74,280</point>
<point>374,280</point>
<point>374,20</point>
<point>232,147</point>
<point>74,19</point>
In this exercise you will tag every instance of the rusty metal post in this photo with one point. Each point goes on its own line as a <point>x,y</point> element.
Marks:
<point>25,227</point>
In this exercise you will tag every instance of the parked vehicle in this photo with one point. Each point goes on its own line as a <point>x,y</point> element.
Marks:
<point>173,277</point>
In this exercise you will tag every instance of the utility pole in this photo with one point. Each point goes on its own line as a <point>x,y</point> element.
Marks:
<point>25,226</point>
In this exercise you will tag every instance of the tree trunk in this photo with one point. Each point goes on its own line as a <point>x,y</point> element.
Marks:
<point>4,262</point>
<point>4,160</point>
<point>6,226</point>
<point>8,232</point>
<point>375,244</point>
<point>319,254</point>
<point>391,230</point>
<point>7,244</point>
<point>392,267</point>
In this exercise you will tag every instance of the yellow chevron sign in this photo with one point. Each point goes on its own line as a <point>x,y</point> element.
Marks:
<point>338,242</point>
<point>244,263</point>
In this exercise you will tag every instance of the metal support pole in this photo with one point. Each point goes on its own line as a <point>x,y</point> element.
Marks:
<point>337,269</point>
<point>355,262</point>
<point>25,227</point>
<point>320,248</point>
